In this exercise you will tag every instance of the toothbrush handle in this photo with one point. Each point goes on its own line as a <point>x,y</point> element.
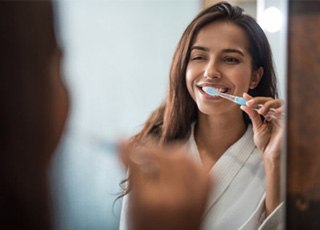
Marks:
<point>240,101</point>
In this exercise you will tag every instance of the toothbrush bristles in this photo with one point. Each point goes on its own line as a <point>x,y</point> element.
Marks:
<point>210,90</point>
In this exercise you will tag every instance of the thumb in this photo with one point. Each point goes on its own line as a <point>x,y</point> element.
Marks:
<point>246,96</point>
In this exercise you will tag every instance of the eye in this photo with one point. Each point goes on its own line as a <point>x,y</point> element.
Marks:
<point>195,58</point>
<point>231,60</point>
<point>198,56</point>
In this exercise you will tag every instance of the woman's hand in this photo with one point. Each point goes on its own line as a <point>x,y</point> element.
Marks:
<point>167,189</point>
<point>268,131</point>
<point>268,137</point>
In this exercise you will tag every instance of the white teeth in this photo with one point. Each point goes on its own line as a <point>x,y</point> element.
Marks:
<point>222,90</point>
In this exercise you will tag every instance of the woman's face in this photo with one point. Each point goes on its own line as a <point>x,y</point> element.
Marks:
<point>220,58</point>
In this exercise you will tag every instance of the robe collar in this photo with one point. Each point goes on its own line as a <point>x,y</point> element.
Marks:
<point>228,165</point>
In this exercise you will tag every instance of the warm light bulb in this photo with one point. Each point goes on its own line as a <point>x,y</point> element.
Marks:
<point>271,19</point>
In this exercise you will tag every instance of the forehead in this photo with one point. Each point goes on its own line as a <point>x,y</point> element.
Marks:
<point>222,35</point>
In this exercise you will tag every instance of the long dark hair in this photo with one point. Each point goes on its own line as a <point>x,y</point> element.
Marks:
<point>172,120</point>
<point>27,43</point>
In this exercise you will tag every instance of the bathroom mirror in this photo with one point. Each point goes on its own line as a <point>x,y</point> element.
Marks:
<point>117,56</point>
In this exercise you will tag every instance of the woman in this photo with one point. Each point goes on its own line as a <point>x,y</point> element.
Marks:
<point>238,146</point>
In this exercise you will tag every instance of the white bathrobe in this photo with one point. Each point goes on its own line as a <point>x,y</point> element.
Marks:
<point>237,200</point>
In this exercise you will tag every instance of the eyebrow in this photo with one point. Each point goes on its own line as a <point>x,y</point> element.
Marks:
<point>224,50</point>
<point>199,48</point>
<point>233,51</point>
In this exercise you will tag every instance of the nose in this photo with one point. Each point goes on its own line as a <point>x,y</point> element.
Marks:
<point>212,71</point>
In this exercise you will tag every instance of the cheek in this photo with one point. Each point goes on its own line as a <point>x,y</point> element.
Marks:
<point>190,81</point>
<point>243,83</point>
<point>242,80</point>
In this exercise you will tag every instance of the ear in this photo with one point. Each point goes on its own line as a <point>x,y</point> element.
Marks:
<point>256,77</point>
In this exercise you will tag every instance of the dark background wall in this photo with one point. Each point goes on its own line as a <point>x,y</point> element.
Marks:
<point>303,123</point>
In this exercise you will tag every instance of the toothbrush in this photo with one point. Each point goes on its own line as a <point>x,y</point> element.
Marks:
<point>214,92</point>
<point>239,100</point>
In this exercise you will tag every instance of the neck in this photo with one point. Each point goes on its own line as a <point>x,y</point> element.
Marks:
<point>215,134</point>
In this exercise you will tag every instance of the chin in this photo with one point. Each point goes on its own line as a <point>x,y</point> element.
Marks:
<point>207,110</point>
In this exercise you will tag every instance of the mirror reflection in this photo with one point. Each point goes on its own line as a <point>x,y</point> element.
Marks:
<point>117,58</point>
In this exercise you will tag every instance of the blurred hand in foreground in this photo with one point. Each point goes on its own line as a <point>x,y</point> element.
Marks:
<point>168,190</point>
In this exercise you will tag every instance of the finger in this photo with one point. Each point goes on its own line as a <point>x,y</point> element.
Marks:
<point>253,102</point>
<point>266,102</point>
<point>272,104</point>
<point>132,154</point>
<point>279,111</point>
<point>258,100</point>
<point>275,114</point>
<point>265,106</point>
<point>144,165</point>
<point>253,115</point>
<point>272,109</point>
